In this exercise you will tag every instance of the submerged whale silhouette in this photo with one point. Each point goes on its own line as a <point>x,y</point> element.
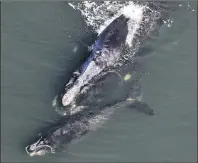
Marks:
<point>70,128</point>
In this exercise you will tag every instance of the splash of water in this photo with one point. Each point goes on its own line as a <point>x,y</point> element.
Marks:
<point>99,15</point>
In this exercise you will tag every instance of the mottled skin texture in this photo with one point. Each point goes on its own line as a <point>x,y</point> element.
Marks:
<point>73,127</point>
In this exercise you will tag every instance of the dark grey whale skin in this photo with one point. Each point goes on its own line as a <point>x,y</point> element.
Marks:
<point>113,37</point>
<point>69,128</point>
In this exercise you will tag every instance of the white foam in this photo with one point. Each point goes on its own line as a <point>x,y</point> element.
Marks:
<point>72,5</point>
<point>99,15</point>
<point>132,11</point>
<point>135,13</point>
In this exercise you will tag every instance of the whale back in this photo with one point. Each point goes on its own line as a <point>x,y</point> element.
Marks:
<point>112,37</point>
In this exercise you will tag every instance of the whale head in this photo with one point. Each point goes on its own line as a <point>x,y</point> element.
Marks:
<point>39,148</point>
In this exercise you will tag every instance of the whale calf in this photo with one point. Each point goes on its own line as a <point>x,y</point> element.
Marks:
<point>105,53</point>
<point>127,32</point>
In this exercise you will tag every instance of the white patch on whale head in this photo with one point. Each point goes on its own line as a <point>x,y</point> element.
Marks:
<point>91,71</point>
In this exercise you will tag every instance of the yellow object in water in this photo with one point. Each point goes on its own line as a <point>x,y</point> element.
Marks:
<point>127,77</point>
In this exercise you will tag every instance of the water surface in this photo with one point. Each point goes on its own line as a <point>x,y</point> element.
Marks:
<point>39,40</point>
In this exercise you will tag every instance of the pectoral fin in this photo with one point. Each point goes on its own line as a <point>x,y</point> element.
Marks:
<point>141,106</point>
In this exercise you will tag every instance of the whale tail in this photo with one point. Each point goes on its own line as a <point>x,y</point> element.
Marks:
<point>135,100</point>
<point>141,106</point>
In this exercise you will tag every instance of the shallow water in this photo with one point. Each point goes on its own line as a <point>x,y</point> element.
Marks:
<point>39,41</point>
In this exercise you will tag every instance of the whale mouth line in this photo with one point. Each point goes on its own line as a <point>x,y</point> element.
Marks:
<point>38,148</point>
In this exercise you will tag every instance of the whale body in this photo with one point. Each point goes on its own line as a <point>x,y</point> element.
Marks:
<point>109,48</point>
<point>105,52</point>
<point>71,128</point>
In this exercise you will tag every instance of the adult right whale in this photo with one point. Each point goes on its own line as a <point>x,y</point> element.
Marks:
<point>105,53</point>
<point>57,137</point>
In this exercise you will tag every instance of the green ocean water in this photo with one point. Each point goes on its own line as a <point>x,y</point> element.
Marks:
<point>38,41</point>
